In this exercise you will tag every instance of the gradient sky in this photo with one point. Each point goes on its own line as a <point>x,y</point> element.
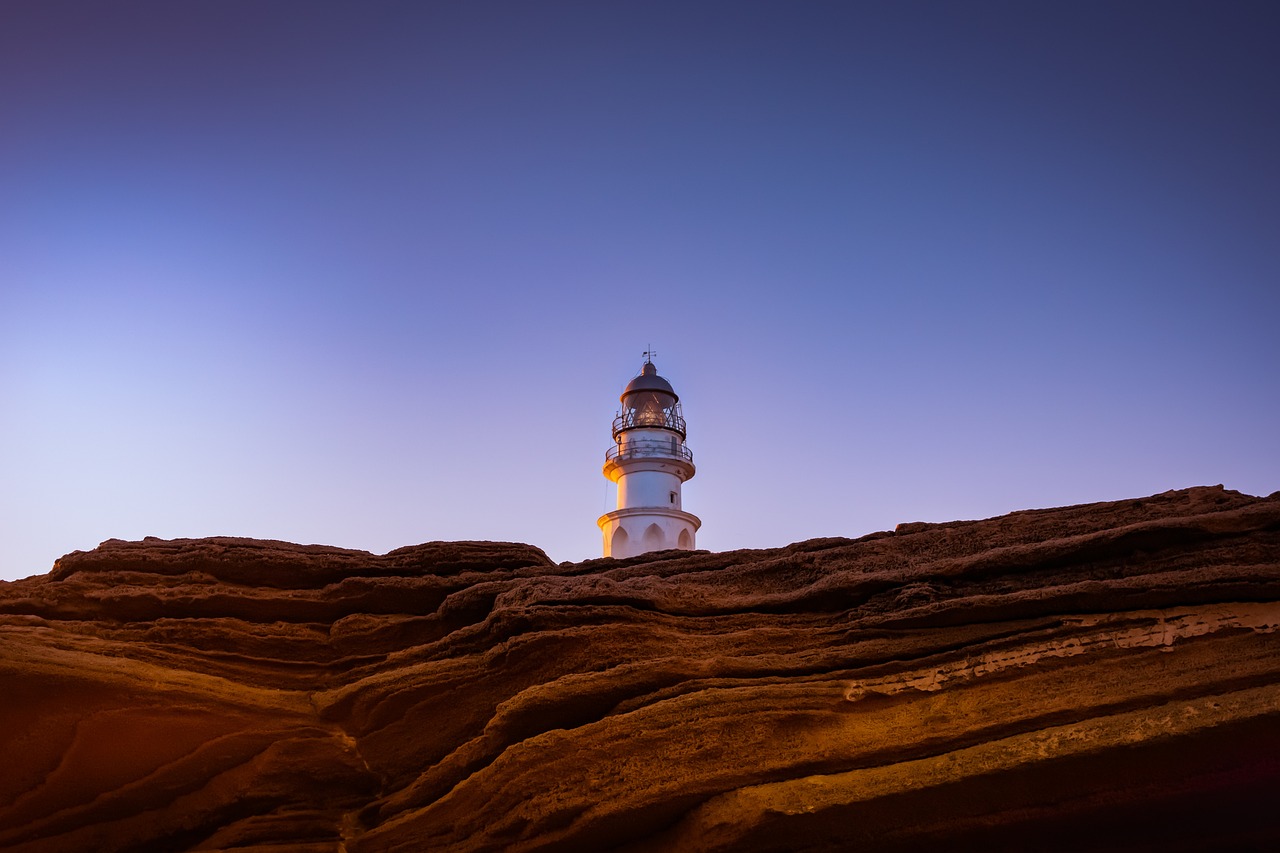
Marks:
<point>373,274</point>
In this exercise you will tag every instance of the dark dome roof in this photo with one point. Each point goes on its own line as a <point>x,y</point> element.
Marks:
<point>649,380</point>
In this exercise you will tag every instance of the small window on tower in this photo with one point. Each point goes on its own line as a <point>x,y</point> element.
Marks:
<point>673,497</point>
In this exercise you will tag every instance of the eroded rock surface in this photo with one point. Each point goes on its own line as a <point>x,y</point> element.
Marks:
<point>1094,677</point>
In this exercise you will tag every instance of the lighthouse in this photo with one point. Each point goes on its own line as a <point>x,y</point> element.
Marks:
<point>650,462</point>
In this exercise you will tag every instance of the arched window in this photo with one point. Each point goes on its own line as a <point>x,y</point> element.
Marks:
<point>653,539</point>
<point>620,547</point>
<point>685,542</point>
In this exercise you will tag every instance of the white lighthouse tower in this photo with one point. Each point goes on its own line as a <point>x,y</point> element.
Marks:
<point>649,461</point>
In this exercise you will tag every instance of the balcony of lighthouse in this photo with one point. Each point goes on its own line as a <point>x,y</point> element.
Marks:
<point>644,454</point>
<point>656,448</point>
<point>652,410</point>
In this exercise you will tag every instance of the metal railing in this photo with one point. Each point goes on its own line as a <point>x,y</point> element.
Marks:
<point>650,449</point>
<point>667,419</point>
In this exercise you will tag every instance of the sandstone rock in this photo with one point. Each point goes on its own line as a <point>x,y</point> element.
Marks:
<point>1100,677</point>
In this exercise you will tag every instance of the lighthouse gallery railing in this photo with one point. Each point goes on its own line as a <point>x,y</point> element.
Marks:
<point>656,449</point>
<point>667,419</point>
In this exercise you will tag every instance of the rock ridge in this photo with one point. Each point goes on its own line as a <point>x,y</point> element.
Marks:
<point>1102,676</point>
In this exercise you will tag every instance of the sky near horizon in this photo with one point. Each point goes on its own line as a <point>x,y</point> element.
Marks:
<point>374,274</point>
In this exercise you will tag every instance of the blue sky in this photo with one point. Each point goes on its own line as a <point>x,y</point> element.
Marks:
<point>374,274</point>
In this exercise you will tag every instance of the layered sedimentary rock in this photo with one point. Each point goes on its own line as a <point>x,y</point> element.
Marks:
<point>1093,677</point>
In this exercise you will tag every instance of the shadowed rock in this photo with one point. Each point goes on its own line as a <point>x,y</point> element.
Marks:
<point>1100,677</point>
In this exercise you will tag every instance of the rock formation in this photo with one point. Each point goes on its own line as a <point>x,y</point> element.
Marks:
<point>1101,677</point>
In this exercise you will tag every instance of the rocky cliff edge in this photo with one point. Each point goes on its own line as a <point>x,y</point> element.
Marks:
<point>1093,677</point>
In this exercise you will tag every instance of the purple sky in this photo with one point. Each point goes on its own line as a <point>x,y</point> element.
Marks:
<point>372,274</point>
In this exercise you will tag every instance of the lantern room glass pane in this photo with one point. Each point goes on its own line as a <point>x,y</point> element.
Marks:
<point>650,407</point>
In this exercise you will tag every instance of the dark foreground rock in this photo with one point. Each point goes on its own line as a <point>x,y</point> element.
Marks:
<point>1102,677</point>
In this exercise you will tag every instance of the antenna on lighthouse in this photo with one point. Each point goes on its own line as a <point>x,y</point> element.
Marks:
<point>649,354</point>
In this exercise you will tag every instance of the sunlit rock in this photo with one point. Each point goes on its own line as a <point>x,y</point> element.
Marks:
<point>1102,677</point>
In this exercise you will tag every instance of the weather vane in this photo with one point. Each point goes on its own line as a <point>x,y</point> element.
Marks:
<point>649,354</point>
